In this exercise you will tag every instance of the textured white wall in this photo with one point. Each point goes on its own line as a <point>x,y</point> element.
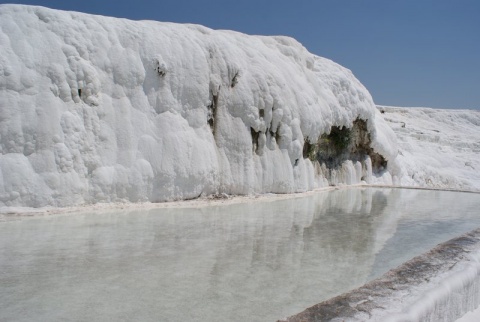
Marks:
<point>98,109</point>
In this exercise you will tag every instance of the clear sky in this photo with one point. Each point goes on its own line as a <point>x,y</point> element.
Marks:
<point>406,52</point>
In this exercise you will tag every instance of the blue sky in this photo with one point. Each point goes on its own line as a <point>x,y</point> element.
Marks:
<point>406,52</point>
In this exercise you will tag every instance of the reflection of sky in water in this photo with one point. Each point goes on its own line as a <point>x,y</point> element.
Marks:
<point>257,261</point>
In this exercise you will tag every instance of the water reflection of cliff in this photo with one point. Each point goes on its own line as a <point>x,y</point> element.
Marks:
<point>256,261</point>
<point>217,263</point>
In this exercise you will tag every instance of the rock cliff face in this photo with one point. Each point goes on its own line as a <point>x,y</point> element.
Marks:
<point>98,109</point>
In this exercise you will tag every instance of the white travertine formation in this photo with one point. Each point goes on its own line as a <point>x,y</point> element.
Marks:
<point>99,109</point>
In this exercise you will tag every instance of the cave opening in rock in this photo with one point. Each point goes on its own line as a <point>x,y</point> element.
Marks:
<point>344,143</point>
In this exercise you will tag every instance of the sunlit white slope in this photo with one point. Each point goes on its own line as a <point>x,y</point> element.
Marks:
<point>98,109</point>
<point>437,148</point>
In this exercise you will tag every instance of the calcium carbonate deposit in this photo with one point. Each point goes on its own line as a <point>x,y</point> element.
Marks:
<point>98,109</point>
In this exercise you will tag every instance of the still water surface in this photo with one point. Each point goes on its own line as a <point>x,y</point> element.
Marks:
<point>255,261</point>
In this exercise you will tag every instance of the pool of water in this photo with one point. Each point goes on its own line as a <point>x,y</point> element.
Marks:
<point>255,261</point>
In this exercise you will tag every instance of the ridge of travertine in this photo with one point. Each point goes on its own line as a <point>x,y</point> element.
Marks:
<point>99,109</point>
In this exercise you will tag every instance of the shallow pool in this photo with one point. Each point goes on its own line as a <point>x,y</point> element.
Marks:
<point>255,261</point>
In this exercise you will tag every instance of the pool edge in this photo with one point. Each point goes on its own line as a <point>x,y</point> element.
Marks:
<point>418,290</point>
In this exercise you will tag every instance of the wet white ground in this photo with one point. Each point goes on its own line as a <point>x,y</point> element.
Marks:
<point>255,261</point>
